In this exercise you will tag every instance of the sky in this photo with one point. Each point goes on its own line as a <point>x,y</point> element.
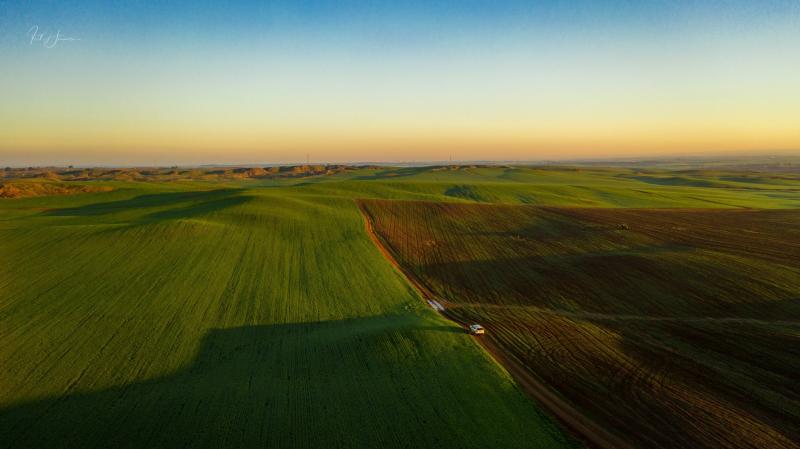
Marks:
<point>161,83</point>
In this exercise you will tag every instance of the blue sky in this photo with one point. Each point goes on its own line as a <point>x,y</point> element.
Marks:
<point>265,81</point>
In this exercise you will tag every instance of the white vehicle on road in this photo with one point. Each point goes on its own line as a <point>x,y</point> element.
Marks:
<point>476,329</point>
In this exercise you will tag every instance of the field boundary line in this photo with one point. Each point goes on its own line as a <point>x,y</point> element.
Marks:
<point>387,253</point>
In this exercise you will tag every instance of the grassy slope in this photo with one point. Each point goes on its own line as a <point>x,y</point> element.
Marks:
<point>262,313</point>
<point>162,316</point>
<point>673,332</point>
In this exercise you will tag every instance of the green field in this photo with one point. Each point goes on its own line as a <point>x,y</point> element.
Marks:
<point>230,318</point>
<point>258,312</point>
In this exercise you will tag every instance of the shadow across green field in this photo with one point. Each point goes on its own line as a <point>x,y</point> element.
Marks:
<point>466,192</point>
<point>393,173</point>
<point>293,385</point>
<point>204,200</point>
<point>675,181</point>
<point>151,208</point>
<point>199,208</point>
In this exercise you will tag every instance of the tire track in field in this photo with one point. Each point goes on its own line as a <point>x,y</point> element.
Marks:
<point>568,415</point>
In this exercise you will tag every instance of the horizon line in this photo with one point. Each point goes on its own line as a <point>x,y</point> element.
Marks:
<point>720,157</point>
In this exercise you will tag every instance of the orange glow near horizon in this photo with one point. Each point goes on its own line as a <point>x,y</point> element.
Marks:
<point>187,143</point>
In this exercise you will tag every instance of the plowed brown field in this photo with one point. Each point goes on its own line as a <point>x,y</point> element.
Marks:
<point>668,328</point>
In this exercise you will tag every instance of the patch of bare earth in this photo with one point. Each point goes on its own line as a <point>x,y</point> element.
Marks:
<point>635,327</point>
